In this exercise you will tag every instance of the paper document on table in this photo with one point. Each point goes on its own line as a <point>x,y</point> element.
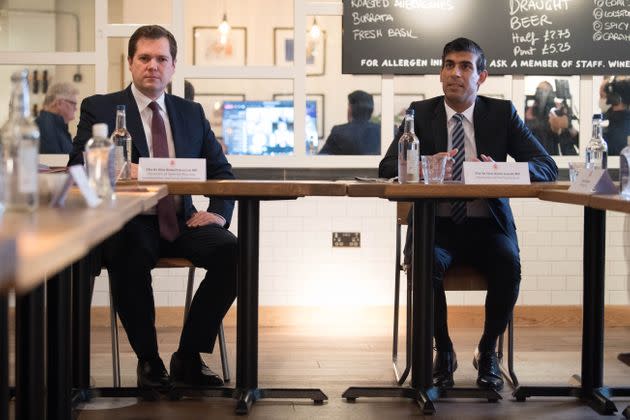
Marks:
<point>596,181</point>
<point>482,173</point>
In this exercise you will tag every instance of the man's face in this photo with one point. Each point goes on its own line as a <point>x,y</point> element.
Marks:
<point>460,79</point>
<point>66,107</point>
<point>152,66</point>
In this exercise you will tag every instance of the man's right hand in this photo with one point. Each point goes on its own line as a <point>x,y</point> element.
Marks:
<point>134,171</point>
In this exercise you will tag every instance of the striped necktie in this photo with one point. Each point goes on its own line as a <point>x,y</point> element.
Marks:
<point>458,208</point>
<point>167,218</point>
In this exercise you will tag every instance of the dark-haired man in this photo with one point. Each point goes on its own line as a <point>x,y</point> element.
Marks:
<point>359,136</point>
<point>479,232</point>
<point>162,125</point>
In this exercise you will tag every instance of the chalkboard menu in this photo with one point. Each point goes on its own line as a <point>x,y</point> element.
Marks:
<point>562,37</point>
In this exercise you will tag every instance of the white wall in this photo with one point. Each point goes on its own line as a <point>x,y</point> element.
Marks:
<point>298,265</point>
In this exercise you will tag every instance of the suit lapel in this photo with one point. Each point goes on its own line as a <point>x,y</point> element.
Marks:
<point>439,127</point>
<point>177,128</point>
<point>482,126</point>
<point>134,124</point>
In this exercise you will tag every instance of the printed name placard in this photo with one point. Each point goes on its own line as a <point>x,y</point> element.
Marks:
<point>596,181</point>
<point>480,173</point>
<point>172,169</point>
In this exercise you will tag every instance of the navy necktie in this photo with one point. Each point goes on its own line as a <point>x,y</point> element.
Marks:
<point>167,219</point>
<point>458,208</point>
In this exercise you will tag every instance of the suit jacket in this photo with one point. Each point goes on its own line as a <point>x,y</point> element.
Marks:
<point>191,131</point>
<point>499,132</point>
<point>53,134</point>
<point>353,138</point>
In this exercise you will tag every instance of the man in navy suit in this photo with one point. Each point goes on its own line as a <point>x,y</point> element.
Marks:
<point>483,234</point>
<point>161,124</point>
<point>359,136</point>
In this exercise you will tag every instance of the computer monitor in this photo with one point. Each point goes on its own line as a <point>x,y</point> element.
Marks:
<point>265,127</point>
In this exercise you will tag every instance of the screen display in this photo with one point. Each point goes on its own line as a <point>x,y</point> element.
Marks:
<point>265,127</point>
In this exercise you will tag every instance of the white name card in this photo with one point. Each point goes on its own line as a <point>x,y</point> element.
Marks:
<point>481,173</point>
<point>596,181</point>
<point>76,175</point>
<point>172,169</point>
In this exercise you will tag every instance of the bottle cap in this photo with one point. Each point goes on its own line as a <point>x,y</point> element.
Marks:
<point>120,107</point>
<point>597,116</point>
<point>99,130</point>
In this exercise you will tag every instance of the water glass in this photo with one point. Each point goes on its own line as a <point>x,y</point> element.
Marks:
<point>434,168</point>
<point>576,167</point>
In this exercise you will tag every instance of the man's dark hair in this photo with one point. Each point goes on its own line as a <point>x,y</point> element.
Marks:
<point>189,90</point>
<point>361,105</point>
<point>151,32</point>
<point>618,91</point>
<point>465,44</point>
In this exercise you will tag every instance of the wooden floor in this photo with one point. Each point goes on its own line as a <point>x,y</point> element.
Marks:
<point>335,359</point>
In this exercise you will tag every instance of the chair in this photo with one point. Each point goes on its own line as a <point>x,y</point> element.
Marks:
<point>166,263</point>
<point>457,277</point>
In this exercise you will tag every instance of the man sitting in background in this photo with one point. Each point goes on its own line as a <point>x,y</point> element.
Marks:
<point>60,105</point>
<point>359,136</point>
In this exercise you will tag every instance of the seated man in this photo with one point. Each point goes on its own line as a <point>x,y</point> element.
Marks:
<point>617,93</point>
<point>479,232</point>
<point>58,109</point>
<point>162,125</point>
<point>359,136</point>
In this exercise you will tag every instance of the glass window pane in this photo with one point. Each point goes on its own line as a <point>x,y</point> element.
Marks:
<point>248,116</point>
<point>613,101</point>
<point>41,78</point>
<point>551,112</point>
<point>64,25</point>
<point>247,40</point>
<point>154,12</point>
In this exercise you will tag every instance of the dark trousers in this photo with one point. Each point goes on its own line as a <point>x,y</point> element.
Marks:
<point>479,242</point>
<point>133,252</point>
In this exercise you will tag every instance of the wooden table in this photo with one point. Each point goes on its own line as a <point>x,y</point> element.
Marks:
<point>425,198</point>
<point>49,241</point>
<point>591,389</point>
<point>249,195</point>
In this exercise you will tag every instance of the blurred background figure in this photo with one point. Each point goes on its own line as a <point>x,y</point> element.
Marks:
<point>58,109</point>
<point>549,115</point>
<point>616,92</point>
<point>359,136</point>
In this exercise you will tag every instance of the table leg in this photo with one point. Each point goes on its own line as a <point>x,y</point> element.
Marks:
<point>4,357</point>
<point>422,389</point>
<point>591,390</point>
<point>247,391</point>
<point>59,366</point>
<point>30,397</point>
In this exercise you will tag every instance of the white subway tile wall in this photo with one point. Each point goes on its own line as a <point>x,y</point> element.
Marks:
<point>298,265</point>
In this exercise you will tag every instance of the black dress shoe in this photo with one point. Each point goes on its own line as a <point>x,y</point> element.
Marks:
<point>192,372</point>
<point>489,373</point>
<point>444,364</point>
<point>152,379</point>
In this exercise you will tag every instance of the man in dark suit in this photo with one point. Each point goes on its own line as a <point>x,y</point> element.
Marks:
<point>162,125</point>
<point>479,232</point>
<point>359,136</point>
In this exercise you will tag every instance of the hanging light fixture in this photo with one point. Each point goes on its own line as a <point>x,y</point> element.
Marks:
<point>315,32</point>
<point>224,27</point>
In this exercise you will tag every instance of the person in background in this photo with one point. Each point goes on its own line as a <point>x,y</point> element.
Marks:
<point>163,125</point>
<point>58,109</point>
<point>617,92</point>
<point>480,232</point>
<point>359,136</point>
<point>550,123</point>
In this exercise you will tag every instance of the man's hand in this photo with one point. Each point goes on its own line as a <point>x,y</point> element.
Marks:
<point>203,218</point>
<point>556,123</point>
<point>448,173</point>
<point>134,171</point>
<point>484,158</point>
